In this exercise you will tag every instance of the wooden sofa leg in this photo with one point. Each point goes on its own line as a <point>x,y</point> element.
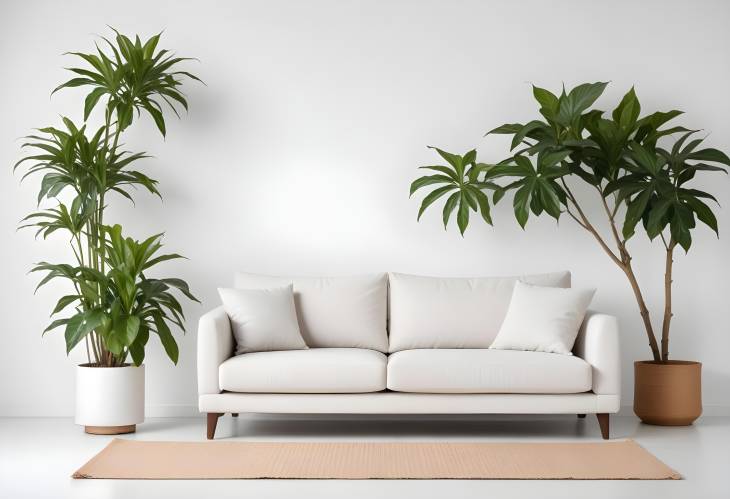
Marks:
<point>603,423</point>
<point>212,423</point>
<point>581,416</point>
<point>234,414</point>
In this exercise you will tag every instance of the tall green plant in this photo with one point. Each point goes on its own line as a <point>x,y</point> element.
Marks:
<point>116,305</point>
<point>622,158</point>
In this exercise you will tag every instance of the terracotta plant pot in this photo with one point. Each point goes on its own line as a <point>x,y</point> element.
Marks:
<point>668,394</point>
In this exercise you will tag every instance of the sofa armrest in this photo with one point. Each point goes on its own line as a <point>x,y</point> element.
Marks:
<point>215,344</point>
<point>598,344</point>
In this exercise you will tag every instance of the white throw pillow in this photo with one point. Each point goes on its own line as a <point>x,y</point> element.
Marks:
<point>453,312</point>
<point>262,320</point>
<point>543,319</point>
<point>335,312</point>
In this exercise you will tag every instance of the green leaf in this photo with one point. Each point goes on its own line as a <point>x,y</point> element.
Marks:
<point>635,212</point>
<point>443,169</point>
<point>524,167</point>
<point>433,196</point>
<point>156,114</point>
<point>74,82</point>
<point>549,199</point>
<point>168,341</point>
<point>703,212</point>
<point>477,169</point>
<point>521,202</point>
<point>684,193</point>
<point>91,100</point>
<point>462,216</point>
<point>710,154</point>
<point>136,349</point>
<point>80,325</point>
<point>652,122</point>
<point>677,147</point>
<point>453,159</point>
<point>126,329</point>
<point>579,99</point>
<point>55,324</point>
<point>552,158</point>
<point>583,96</point>
<point>470,198</point>
<point>125,115</point>
<point>644,158</point>
<point>658,217</point>
<point>162,258</point>
<point>429,180</point>
<point>449,207</point>
<point>498,195</point>
<point>483,201</point>
<point>149,47</point>
<point>687,172</point>
<point>681,225</point>
<point>180,285</point>
<point>506,129</point>
<point>64,302</point>
<point>628,110</point>
<point>525,132</point>
<point>547,99</point>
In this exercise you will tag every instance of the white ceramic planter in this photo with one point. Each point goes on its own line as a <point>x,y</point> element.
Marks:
<point>109,400</point>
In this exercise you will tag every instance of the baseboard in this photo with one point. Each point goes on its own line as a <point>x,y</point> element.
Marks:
<point>172,411</point>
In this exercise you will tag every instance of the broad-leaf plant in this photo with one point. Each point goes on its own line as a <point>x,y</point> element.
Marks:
<point>640,168</point>
<point>115,305</point>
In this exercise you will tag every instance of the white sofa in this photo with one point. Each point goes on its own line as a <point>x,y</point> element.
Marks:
<point>400,344</point>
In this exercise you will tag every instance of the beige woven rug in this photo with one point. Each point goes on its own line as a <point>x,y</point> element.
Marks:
<point>130,459</point>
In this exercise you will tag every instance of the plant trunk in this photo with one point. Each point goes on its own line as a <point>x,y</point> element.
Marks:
<point>667,300</point>
<point>629,271</point>
<point>622,260</point>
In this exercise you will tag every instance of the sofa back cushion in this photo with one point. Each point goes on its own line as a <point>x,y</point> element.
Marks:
<point>262,320</point>
<point>334,312</point>
<point>453,312</point>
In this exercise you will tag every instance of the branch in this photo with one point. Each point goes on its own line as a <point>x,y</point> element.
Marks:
<point>620,242</point>
<point>667,298</point>
<point>624,265</point>
<point>577,220</point>
<point>586,224</point>
<point>616,206</point>
<point>664,240</point>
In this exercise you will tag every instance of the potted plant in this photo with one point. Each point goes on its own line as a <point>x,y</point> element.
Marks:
<point>640,172</point>
<point>116,304</point>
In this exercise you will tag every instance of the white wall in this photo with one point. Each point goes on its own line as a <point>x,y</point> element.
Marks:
<point>297,155</point>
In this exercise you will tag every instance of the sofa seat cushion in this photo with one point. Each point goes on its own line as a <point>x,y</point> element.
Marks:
<point>486,371</point>
<point>316,370</point>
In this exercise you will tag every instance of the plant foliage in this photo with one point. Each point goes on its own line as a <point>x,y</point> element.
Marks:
<point>115,304</point>
<point>640,167</point>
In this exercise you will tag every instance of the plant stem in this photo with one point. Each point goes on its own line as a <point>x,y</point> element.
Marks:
<point>667,299</point>
<point>111,359</point>
<point>623,261</point>
<point>88,354</point>
<point>620,242</point>
<point>81,249</point>
<point>586,224</point>
<point>94,347</point>
<point>643,311</point>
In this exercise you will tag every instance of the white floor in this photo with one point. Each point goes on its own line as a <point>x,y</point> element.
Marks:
<point>38,455</point>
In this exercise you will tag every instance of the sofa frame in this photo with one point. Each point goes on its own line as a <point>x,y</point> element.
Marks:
<point>597,344</point>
